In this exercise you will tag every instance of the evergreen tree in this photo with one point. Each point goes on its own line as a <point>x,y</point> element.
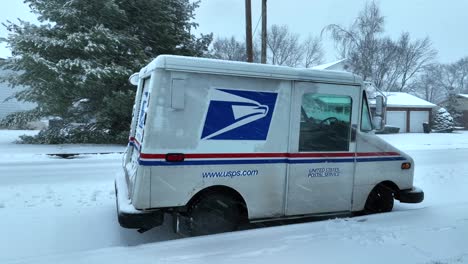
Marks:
<point>76,63</point>
<point>443,121</point>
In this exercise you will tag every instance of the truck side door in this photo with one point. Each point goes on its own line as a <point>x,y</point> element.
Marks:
<point>321,149</point>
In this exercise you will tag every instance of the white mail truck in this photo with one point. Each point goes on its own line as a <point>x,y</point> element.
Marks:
<point>223,143</point>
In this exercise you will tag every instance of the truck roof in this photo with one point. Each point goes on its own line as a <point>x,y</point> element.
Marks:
<point>255,70</point>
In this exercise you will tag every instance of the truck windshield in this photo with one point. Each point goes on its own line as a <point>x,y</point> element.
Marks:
<point>366,123</point>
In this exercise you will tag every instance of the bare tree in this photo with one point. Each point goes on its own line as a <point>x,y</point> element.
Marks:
<point>228,49</point>
<point>359,42</point>
<point>284,46</point>
<point>448,79</point>
<point>313,52</point>
<point>461,67</point>
<point>413,56</point>
<point>438,82</point>
<point>454,77</point>
<point>384,67</point>
<point>427,83</point>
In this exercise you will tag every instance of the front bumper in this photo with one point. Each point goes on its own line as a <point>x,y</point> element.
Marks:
<point>128,216</point>
<point>413,195</point>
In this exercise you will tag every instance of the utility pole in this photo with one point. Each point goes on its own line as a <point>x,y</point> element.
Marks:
<point>264,31</point>
<point>248,30</point>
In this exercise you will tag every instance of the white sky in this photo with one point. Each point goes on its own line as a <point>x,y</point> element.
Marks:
<point>445,22</point>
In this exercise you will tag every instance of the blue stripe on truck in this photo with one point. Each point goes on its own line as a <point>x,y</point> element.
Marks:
<point>262,161</point>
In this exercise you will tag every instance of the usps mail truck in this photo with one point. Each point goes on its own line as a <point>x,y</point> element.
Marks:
<point>222,143</point>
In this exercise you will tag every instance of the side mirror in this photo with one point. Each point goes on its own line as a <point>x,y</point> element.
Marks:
<point>379,105</point>
<point>378,120</point>
<point>134,78</point>
<point>378,123</point>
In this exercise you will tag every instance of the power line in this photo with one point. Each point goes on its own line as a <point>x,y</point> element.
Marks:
<point>258,22</point>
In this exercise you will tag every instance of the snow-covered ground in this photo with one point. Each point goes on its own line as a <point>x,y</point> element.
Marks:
<point>419,141</point>
<point>8,137</point>
<point>52,205</point>
<point>55,210</point>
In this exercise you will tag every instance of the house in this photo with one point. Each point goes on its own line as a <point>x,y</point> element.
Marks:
<point>8,104</point>
<point>462,106</point>
<point>404,110</point>
<point>340,65</point>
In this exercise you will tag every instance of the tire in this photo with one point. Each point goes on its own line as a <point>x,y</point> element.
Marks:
<point>380,200</point>
<point>214,213</point>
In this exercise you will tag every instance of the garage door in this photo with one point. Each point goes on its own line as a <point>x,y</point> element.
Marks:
<point>417,118</point>
<point>397,119</point>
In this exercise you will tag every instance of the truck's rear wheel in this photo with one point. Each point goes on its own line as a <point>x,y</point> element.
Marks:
<point>380,200</point>
<point>214,213</point>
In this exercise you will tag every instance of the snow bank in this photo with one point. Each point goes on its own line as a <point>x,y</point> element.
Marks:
<point>23,152</point>
<point>418,236</point>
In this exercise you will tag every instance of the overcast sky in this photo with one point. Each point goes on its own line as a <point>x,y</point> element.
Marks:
<point>445,22</point>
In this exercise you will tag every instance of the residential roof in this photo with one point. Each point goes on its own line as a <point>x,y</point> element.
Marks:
<point>399,99</point>
<point>463,95</point>
<point>328,65</point>
<point>235,68</point>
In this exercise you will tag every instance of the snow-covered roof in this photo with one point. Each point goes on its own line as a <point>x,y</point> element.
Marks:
<point>398,99</point>
<point>235,68</point>
<point>463,95</point>
<point>327,65</point>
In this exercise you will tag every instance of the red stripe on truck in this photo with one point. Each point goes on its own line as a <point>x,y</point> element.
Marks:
<point>272,155</point>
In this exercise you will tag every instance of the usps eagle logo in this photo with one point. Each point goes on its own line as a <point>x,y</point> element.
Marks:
<point>238,115</point>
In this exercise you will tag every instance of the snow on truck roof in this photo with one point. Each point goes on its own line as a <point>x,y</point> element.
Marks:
<point>213,66</point>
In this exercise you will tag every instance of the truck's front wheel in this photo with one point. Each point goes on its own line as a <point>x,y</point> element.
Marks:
<point>380,200</point>
<point>214,213</point>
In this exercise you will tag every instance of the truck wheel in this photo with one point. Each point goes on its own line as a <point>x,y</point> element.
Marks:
<point>380,200</point>
<point>214,213</point>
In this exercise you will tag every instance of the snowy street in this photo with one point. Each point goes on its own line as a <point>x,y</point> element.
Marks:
<point>52,205</point>
<point>55,210</point>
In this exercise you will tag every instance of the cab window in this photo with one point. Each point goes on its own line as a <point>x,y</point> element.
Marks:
<point>325,122</point>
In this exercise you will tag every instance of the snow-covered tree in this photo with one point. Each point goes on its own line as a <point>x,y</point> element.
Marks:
<point>76,63</point>
<point>443,121</point>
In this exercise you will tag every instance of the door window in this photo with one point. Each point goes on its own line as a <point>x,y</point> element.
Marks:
<point>325,122</point>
